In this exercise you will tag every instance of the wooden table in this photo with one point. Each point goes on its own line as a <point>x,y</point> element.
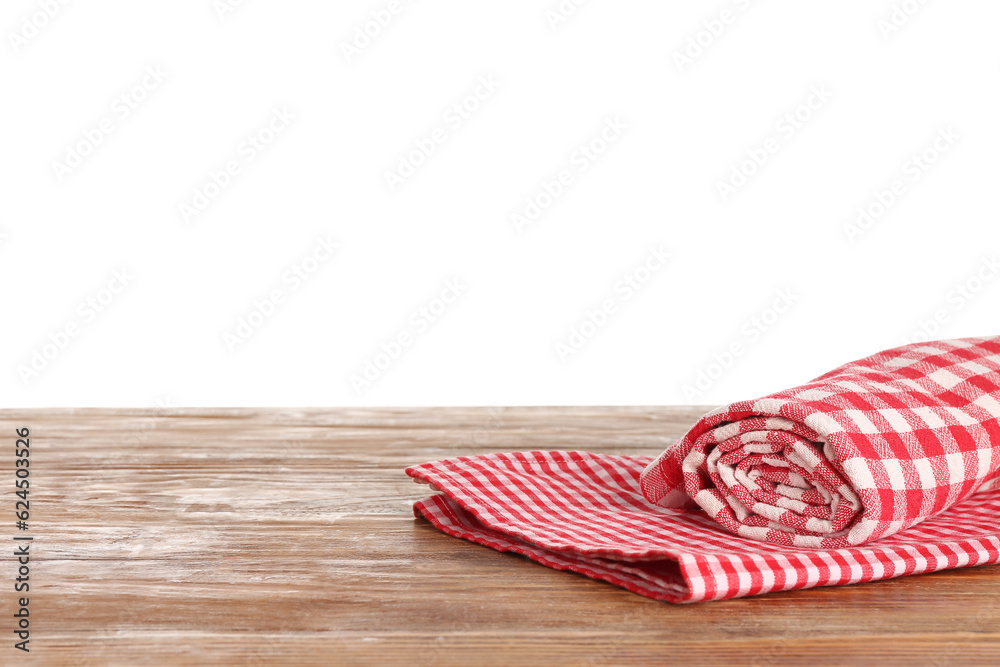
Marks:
<point>286,536</point>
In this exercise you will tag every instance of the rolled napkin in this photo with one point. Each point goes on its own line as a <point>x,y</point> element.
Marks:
<point>860,453</point>
<point>883,467</point>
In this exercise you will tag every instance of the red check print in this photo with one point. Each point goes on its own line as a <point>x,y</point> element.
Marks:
<point>881,468</point>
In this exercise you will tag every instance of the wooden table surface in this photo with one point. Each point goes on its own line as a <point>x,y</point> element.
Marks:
<point>286,536</point>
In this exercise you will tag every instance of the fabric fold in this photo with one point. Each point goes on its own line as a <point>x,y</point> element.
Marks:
<point>860,453</point>
<point>883,467</point>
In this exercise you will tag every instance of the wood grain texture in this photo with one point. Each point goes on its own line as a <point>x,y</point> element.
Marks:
<point>286,536</point>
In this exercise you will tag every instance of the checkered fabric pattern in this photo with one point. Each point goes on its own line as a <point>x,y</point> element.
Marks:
<point>883,467</point>
<point>860,453</point>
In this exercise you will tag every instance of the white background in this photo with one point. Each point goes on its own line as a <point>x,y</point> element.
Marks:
<point>162,338</point>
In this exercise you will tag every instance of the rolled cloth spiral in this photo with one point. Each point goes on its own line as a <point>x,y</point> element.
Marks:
<point>862,452</point>
<point>883,467</point>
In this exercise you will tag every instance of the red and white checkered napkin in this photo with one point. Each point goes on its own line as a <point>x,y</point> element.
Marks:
<point>884,467</point>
